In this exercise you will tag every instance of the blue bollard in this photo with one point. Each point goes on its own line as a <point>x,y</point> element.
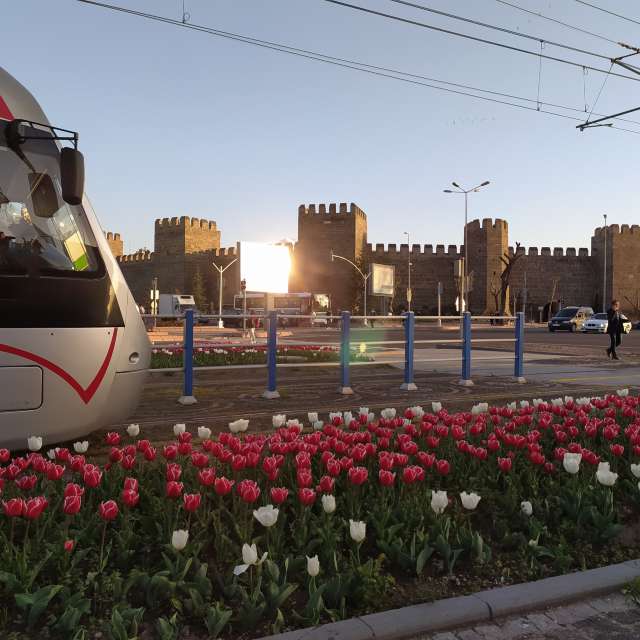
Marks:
<point>187,396</point>
<point>409,335</point>
<point>345,353</point>
<point>272,357</point>
<point>519,354</point>
<point>466,380</point>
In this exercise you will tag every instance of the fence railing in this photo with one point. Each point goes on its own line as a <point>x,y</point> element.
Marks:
<point>466,340</point>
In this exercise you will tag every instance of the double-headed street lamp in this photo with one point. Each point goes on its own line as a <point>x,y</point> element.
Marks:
<point>604,282</point>
<point>221,270</point>
<point>364,277</point>
<point>466,192</point>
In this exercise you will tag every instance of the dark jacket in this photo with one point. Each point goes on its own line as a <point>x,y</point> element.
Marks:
<point>614,323</point>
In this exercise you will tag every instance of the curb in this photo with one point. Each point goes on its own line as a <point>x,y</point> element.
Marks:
<point>481,607</point>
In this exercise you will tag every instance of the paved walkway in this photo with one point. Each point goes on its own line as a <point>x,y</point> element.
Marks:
<point>612,617</point>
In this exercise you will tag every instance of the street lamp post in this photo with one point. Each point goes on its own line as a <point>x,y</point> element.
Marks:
<point>604,281</point>
<point>365,277</point>
<point>465,192</point>
<point>409,291</point>
<point>221,270</point>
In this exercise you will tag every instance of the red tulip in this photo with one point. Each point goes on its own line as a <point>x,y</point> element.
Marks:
<point>34,507</point>
<point>184,448</point>
<point>5,455</point>
<point>108,510</point>
<point>304,477</point>
<point>131,484</point>
<point>358,475</point>
<point>199,460</point>
<point>73,489</point>
<point>184,437</point>
<point>115,455</point>
<point>386,478</point>
<point>505,464</point>
<point>130,498</point>
<point>191,501</point>
<point>617,449</point>
<point>238,462</point>
<point>112,438</point>
<point>72,505</point>
<point>412,473</point>
<point>223,486</point>
<point>149,454</point>
<point>174,489</point>
<point>170,451</point>
<point>279,494</point>
<point>128,462</point>
<point>77,463</point>
<point>14,508</point>
<point>174,471</point>
<point>326,484</point>
<point>26,483</point>
<point>248,490</point>
<point>68,545</point>
<point>306,496</point>
<point>333,467</point>
<point>91,476</point>
<point>443,467</point>
<point>206,477</point>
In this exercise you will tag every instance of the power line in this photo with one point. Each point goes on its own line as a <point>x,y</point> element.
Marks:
<point>354,65</point>
<point>560,22</point>
<point>512,32</point>
<point>611,13</point>
<point>475,38</point>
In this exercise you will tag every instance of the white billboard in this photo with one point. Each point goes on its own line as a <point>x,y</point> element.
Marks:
<point>265,267</point>
<point>382,279</point>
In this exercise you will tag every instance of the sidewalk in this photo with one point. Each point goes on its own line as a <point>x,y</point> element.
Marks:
<point>611,617</point>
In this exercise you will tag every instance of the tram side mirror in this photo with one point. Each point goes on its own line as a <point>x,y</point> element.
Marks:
<point>43,195</point>
<point>72,175</point>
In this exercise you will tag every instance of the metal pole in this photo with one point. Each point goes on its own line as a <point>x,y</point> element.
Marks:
<point>365,299</point>
<point>466,381</point>
<point>272,357</point>
<point>463,304</point>
<point>220,322</point>
<point>409,332</point>
<point>187,360</point>
<point>244,313</point>
<point>604,283</point>
<point>345,352</point>
<point>439,303</point>
<point>519,354</point>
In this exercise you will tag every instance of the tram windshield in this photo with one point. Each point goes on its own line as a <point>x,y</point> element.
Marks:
<point>40,234</point>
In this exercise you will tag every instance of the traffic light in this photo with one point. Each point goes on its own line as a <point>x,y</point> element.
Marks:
<point>243,285</point>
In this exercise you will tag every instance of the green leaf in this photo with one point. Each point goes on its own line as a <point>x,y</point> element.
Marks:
<point>423,558</point>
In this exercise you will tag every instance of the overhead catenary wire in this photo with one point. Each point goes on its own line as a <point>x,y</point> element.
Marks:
<point>611,13</point>
<point>414,79</point>
<point>556,21</point>
<point>467,36</point>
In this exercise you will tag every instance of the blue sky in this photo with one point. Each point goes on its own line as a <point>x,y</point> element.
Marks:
<point>174,122</point>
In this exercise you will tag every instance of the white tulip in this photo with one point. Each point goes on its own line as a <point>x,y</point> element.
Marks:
<point>179,539</point>
<point>417,411</point>
<point>348,417</point>
<point>278,420</point>
<point>204,433</point>
<point>536,402</point>
<point>313,417</point>
<point>388,414</point>
<point>481,407</point>
<point>334,414</point>
<point>249,558</point>
<point>81,447</point>
<point>238,425</point>
<point>439,501</point>
<point>328,503</point>
<point>526,507</point>
<point>178,429</point>
<point>571,462</point>
<point>635,469</point>
<point>512,406</point>
<point>469,500</point>
<point>524,404</point>
<point>133,430</point>
<point>318,425</point>
<point>605,476</point>
<point>313,566</point>
<point>568,399</point>
<point>363,411</point>
<point>623,393</point>
<point>357,530</point>
<point>371,416</point>
<point>52,453</point>
<point>436,407</point>
<point>294,422</point>
<point>34,443</point>
<point>266,516</point>
<point>557,402</point>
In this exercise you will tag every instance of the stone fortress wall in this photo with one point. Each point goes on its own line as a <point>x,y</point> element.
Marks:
<point>184,246</point>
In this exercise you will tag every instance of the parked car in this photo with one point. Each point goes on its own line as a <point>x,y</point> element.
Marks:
<point>320,319</point>
<point>598,323</point>
<point>570,319</point>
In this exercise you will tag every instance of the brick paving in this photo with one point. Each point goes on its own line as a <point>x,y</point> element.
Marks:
<point>612,617</point>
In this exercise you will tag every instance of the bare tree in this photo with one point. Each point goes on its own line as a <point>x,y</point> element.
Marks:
<point>636,304</point>
<point>509,262</point>
<point>494,289</point>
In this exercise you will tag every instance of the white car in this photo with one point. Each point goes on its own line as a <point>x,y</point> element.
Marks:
<point>598,323</point>
<point>320,319</point>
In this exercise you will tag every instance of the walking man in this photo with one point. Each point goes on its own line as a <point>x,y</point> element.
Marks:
<point>614,329</point>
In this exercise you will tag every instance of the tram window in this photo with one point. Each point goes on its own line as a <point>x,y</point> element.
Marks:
<point>39,233</point>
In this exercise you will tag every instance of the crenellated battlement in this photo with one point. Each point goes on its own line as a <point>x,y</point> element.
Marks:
<point>332,209</point>
<point>557,252</point>
<point>186,221</point>
<point>225,251</point>
<point>139,256</point>
<point>112,236</point>
<point>615,229</point>
<point>488,224</point>
<point>378,250</point>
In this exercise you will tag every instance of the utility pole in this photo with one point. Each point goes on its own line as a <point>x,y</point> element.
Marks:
<point>409,292</point>
<point>362,275</point>
<point>466,192</point>
<point>221,270</point>
<point>439,303</point>
<point>604,282</point>
<point>155,297</point>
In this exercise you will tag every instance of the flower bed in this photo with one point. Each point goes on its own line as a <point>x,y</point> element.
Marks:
<point>205,356</point>
<point>244,534</point>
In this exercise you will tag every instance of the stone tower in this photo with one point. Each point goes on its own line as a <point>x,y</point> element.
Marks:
<point>487,242</point>
<point>321,230</point>
<point>623,265</point>
<point>115,244</point>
